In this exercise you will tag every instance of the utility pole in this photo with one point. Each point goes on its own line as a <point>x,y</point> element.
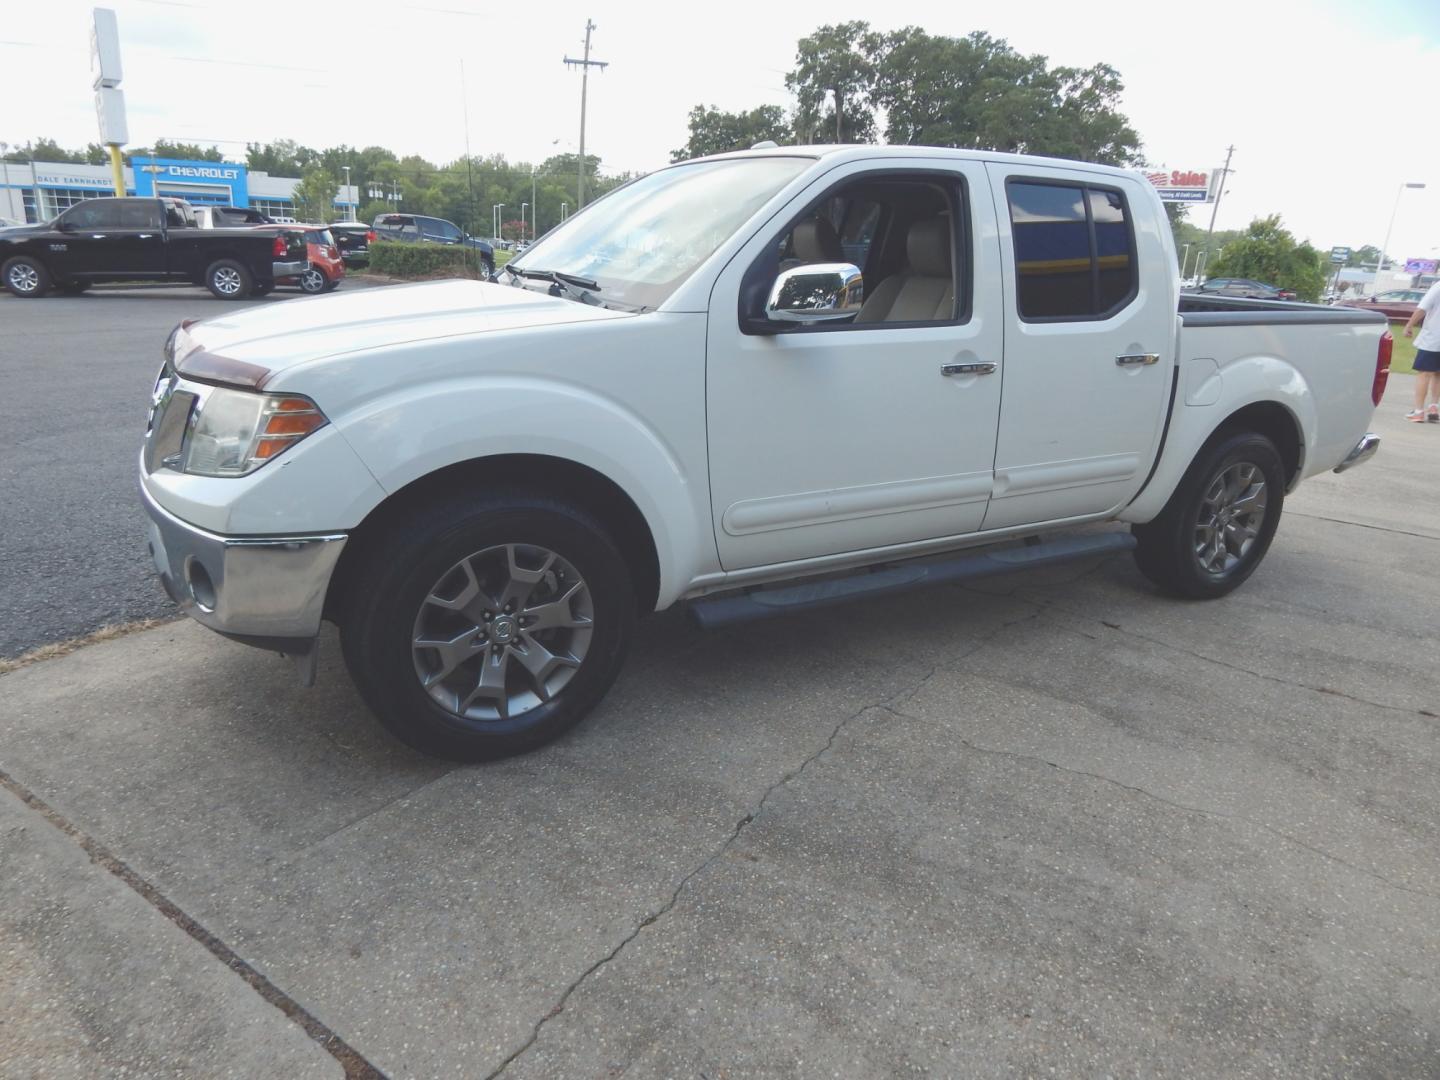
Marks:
<point>1219,191</point>
<point>584,65</point>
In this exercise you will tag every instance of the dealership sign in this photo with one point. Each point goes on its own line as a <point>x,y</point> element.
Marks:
<point>1186,186</point>
<point>1421,266</point>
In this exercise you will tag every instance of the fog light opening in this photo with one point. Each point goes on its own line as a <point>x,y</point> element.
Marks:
<point>202,589</point>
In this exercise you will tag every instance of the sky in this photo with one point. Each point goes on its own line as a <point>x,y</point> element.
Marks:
<point>1330,106</point>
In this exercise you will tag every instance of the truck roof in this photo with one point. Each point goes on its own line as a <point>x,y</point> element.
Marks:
<point>862,151</point>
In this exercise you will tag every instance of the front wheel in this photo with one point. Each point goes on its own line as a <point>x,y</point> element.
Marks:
<point>25,277</point>
<point>485,626</point>
<point>229,280</point>
<point>1218,524</point>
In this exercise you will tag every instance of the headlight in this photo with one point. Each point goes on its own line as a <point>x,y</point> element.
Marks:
<point>234,432</point>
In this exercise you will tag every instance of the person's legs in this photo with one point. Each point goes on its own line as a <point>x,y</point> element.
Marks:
<point>1427,386</point>
<point>1422,384</point>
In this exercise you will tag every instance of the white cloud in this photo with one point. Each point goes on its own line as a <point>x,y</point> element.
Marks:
<point>1326,104</point>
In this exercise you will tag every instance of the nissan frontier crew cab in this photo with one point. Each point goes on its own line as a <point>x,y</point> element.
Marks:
<point>754,383</point>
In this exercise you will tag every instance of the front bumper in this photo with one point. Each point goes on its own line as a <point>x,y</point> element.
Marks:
<point>265,590</point>
<point>1363,452</point>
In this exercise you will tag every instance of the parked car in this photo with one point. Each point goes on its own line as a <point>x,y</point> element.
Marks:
<point>9,223</point>
<point>1244,287</point>
<point>230,217</point>
<point>1395,304</point>
<point>483,485</point>
<point>353,238</point>
<point>133,239</point>
<point>325,267</point>
<point>417,229</point>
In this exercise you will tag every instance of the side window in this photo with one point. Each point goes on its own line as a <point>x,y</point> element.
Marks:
<point>905,232</point>
<point>175,218</point>
<point>140,214</point>
<point>93,214</point>
<point>1074,250</point>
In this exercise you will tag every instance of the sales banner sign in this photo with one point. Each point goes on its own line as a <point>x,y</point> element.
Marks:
<point>1185,186</point>
<point>1421,266</point>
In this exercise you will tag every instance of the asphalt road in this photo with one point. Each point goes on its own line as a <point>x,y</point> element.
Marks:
<point>76,376</point>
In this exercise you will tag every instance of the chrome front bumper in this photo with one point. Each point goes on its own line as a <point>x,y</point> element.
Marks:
<point>1363,452</point>
<point>265,590</point>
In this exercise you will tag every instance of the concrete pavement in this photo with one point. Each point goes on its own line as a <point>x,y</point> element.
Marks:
<point>1056,824</point>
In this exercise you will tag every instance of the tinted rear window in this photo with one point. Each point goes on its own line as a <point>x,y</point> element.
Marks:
<point>1074,250</point>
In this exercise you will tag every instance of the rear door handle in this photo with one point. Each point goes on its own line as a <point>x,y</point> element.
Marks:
<point>984,368</point>
<point>1137,359</point>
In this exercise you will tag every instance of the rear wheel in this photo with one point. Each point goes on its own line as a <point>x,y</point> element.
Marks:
<point>313,281</point>
<point>229,280</point>
<point>25,276</point>
<point>487,625</point>
<point>1220,521</point>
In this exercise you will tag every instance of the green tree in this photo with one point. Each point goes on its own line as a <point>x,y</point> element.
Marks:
<point>1267,252</point>
<point>283,157</point>
<point>164,148</point>
<point>835,75</point>
<point>980,93</point>
<point>315,195</point>
<point>715,132</point>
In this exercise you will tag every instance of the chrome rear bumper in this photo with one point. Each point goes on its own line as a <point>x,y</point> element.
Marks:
<point>1363,452</point>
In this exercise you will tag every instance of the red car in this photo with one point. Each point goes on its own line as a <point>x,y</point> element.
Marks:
<point>325,266</point>
<point>1397,305</point>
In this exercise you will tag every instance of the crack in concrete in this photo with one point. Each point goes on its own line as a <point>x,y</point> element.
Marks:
<point>356,1066</point>
<point>1362,525</point>
<point>735,834</point>
<point>1035,759</point>
<point>1329,691</point>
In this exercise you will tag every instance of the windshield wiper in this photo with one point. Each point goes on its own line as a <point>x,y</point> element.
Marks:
<point>580,288</point>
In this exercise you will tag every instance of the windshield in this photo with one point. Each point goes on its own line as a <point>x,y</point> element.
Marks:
<point>641,241</point>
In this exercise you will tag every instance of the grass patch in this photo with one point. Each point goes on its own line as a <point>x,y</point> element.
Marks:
<point>1402,360</point>
<point>64,648</point>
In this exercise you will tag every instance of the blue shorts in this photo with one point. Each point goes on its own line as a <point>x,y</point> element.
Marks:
<point>1427,360</point>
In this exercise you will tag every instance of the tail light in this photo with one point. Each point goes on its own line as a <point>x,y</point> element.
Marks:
<point>278,248</point>
<point>370,237</point>
<point>1382,366</point>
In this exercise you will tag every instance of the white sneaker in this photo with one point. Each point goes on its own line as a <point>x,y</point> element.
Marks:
<point>1416,416</point>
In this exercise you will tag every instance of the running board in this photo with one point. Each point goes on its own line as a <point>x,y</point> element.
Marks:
<point>764,603</point>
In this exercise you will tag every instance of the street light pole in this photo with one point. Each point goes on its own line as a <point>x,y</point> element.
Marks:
<point>1380,262</point>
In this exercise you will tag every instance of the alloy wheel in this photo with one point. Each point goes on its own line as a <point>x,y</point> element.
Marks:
<point>502,632</point>
<point>23,278</point>
<point>1232,513</point>
<point>227,280</point>
<point>312,281</point>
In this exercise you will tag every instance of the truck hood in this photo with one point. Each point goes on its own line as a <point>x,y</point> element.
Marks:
<point>251,346</point>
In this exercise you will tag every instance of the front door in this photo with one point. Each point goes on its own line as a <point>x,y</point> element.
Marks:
<point>1089,346</point>
<point>848,436</point>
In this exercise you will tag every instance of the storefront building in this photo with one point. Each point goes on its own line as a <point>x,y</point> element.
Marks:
<point>54,187</point>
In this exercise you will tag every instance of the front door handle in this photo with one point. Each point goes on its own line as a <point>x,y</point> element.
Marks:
<point>1137,359</point>
<point>985,368</point>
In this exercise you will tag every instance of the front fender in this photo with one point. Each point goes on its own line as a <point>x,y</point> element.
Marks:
<point>1205,397</point>
<point>410,434</point>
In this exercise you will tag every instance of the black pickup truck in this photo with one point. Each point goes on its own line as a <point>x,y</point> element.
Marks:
<point>146,240</point>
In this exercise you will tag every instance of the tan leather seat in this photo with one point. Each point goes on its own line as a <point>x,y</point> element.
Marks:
<point>925,291</point>
<point>814,241</point>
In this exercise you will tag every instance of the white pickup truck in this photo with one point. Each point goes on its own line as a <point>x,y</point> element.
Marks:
<point>837,364</point>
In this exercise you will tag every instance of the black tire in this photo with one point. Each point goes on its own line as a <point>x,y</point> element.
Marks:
<point>403,565</point>
<point>1180,551</point>
<point>332,284</point>
<point>75,288</point>
<point>25,277</point>
<point>229,280</point>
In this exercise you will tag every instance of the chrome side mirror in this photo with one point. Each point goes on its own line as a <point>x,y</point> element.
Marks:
<point>817,292</point>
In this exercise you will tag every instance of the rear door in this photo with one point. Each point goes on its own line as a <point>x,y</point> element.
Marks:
<point>1089,342</point>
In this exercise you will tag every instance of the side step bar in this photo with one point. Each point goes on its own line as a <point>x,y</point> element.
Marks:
<point>763,603</point>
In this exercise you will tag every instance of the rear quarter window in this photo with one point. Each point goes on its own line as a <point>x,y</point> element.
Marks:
<point>1074,250</point>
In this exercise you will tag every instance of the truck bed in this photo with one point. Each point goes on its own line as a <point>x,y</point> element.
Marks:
<point>1197,310</point>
